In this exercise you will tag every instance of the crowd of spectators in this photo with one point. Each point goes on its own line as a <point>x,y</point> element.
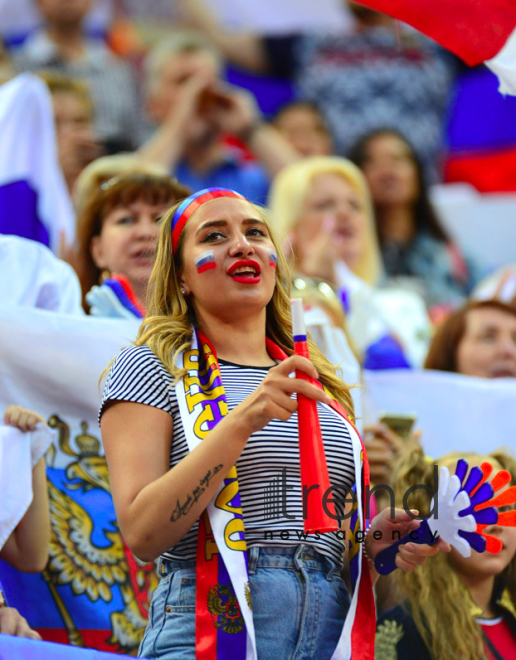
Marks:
<point>144,117</point>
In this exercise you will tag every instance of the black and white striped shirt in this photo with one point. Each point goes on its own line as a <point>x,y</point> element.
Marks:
<point>269,461</point>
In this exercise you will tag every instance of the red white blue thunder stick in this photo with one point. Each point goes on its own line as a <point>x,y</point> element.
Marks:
<point>314,470</point>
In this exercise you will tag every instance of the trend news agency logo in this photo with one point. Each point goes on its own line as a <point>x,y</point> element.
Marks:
<point>275,504</point>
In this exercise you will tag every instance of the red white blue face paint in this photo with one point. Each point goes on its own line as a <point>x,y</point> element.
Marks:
<point>205,261</point>
<point>191,204</point>
<point>273,260</point>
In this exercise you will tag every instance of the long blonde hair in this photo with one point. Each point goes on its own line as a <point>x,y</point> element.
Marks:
<point>288,194</point>
<point>438,599</point>
<point>167,328</point>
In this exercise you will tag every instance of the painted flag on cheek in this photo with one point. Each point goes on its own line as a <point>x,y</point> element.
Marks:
<point>205,261</point>
<point>477,31</point>
<point>273,260</point>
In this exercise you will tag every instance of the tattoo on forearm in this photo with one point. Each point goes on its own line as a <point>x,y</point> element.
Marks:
<point>192,498</point>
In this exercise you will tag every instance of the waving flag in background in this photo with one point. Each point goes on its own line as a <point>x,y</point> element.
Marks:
<point>92,593</point>
<point>481,134</point>
<point>478,31</point>
<point>34,200</point>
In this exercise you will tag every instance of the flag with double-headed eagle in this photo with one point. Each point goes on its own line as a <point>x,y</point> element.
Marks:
<point>93,593</point>
<point>477,31</point>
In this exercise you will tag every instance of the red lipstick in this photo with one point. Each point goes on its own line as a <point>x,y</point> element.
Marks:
<point>249,271</point>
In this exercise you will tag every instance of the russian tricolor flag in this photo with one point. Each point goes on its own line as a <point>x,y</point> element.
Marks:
<point>481,134</point>
<point>205,261</point>
<point>477,31</point>
<point>34,200</point>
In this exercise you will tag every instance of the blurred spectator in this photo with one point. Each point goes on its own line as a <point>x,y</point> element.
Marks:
<point>303,125</point>
<point>77,142</point>
<point>322,208</point>
<point>107,167</point>
<point>321,205</point>
<point>415,249</point>
<point>21,18</point>
<point>455,606</point>
<point>61,45</point>
<point>118,229</point>
<point>194,110</point>
<point>479,339</point>
<point>33,277</point>
<point>6,66</point>
<point>362,80</point>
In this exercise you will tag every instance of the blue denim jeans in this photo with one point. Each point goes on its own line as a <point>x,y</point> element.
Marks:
<point>299,606</point>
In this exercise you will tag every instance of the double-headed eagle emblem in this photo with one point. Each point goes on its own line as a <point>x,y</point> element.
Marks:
<point>224,609</point>
<point>76,560</point>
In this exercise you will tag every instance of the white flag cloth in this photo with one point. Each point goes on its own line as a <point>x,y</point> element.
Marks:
<point>31,276</point>
<point>51,363</point>
<point>34,200</point>
<point>19,453</point>
<point>455,413</point>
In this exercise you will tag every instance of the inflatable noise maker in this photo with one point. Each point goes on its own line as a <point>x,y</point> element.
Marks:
<point>465,507</point>
<point>314,470</point>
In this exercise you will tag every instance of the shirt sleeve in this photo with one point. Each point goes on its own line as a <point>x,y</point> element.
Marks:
<point>281,55</point>
<point>138,376</point>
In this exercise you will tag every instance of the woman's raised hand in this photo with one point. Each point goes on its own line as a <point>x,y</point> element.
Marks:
<point>21,418</point>
<point>385,530</point>
<point>272,398</point>
<point>320,261</point>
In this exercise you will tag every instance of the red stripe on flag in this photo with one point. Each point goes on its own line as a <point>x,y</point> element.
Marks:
<point>488,172</point>
<point>93,639</point>
<point>207,266</point>
<point>207,575</point>
<point>475,30</point>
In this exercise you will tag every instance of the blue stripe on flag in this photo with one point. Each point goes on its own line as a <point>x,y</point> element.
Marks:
<point>480,117</point>
<point>230,646</point>
<point>19,212</point>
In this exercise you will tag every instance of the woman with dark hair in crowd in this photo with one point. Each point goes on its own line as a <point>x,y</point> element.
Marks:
<point>412,240</point>
<point>304,126</point>
<point>479,339</point>
<point>117,235</point>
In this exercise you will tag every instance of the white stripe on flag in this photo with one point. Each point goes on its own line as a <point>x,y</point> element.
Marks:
<point>504,66</point>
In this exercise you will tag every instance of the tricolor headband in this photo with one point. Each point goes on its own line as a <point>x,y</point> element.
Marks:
<point>191,204</point>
